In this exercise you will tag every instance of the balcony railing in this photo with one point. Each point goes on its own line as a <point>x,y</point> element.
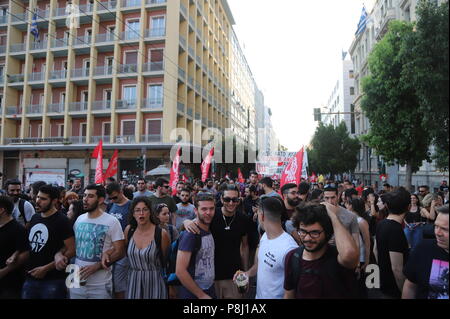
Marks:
<point>154,104</point>
<point>37,76</point>
<point>18,47</point>
<point>197,116</point>
<point>34,109</point>
<point>191,81</point>
<point>59,12</point>
<point>42,14</point>
<point>197,87</point>
<point>103,70</point>
<point>183,41</point>
<point>58,74</point>
<point>2,49</point>
<point>183,9</point>
<point>78,106</point>
<point>155,1</point>
<point>182,73</point>
<point>131,3</point>
<point>191,51</point>
<point>152,138</point>
<point>126,104</point>
<point>19,17</point>
<point>106,4</point>
<point>101,105</point>
<point>13,110</point>
<point>128,68</point>
<point>153,66</point>
<point>180,107</point>
<point>3,19</point>
<point>155,33</point>
<point>60,42</point>
<point>129,35</point>
<point>190,111</point>
<point>96,139</point>
<point>38,45</point>
<point>55,108</point>
<point>204,122</point>
<point>80,73</point>
<point>125,139</point>
<point>86,8</point>
<point>78,139</point>
<point>83,40</point>
<point>105,37</point>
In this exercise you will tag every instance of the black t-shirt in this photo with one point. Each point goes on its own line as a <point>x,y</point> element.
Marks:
<point>390,238</point>
<point>427,267</point>
<point>414,217</point>
<point>176,199</point>
<point>13,237</point>
<point>46,237</point>
<point>227,252</point>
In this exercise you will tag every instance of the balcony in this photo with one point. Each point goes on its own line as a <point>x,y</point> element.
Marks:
<point>191,81</point>
<point>60,43</point>
<point>105,37</point>
<point>128,104</point>
<point>155,33</point>
<point>192,22</point>
<point>183,42</point>
<point>182,73</point>
<point>129,35</point>
<point>34,109</point>
<point>96,139</point>
<point>155,2</point>
<point>152,138</point>
<point>58,75</point>
<point>83,40</point>
<point>103,70</point>
<point>153,66</point>
<point>125,139</point>
<point>180,107</point>
<point>42,14</point>
<point>80,73</point>
<point>183,10</point>
<point>190,112</point>
<point>36,76</point>
<point>19,17</point>
<point>197,116</point>
<point>101,105</point>
<point>204,122</point>
<point>78,107</point>
<point>59,12</point>
<point>13,110</point>
<point>86,8</point>
<point>18,47</point>
<point>2,79</point>
<point>131,3</point>
<point>152,104</point>
<point>105,5</point>
<point>198,87</point>
<point>191,51</point>
<point>38,45</point>
<point>78,139</point>
<point>3,19</point>
<point>55,108</point>
<point>2,49</point>
<point>128,68</point>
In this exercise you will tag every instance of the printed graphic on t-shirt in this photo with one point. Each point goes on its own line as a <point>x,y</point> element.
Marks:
<point>204,270</point>
<point>90,239</point>
<point>269,259</point>
<point>38,237</point>
<point>439,280</point>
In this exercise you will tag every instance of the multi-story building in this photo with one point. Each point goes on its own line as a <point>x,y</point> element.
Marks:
<point>339,106</point>
<point>369,164</point>
<point>130,73</point>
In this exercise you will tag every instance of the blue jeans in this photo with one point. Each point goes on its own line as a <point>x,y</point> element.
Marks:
<point>44,289</point>
<point>414,236</point>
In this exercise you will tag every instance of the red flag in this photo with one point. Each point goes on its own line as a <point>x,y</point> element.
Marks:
<point>206,165</point>
<point>112,167</point>
<point>313,178</point>
<point>240,176</point>
<point>175,172</point>
<point>293,170</point>
<point>98,152</point>
<point>184,178</point>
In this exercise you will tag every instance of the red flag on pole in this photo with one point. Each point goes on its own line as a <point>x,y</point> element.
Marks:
<point>206,165</point>
<point>98,153</point>
<point>240,176</point>
<point>113,165</point>
<point>175,172</point>
<point>184,178</point>
<point>293,170</point>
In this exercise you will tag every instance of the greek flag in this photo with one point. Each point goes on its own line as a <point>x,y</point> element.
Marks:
<point>362,21</point>
<point>34,28</point>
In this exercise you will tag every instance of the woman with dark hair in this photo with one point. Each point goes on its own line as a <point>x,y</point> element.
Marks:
<point>142,237</point>
<point>316,196</point>
<point>415,219</point>
<point>163,215</point>
<point>69,198</point>
<point>75,210</point>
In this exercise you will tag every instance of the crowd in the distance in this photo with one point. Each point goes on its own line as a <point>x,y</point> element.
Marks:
<point>305,241</point>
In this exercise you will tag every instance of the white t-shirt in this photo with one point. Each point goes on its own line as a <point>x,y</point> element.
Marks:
<point>93,236</point>
<point>28,210</point>
<point>271,257</point>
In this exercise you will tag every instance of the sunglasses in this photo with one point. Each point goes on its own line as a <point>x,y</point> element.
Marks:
<point>166,187</point>
<point>114,198</point>
<point>228,199</point>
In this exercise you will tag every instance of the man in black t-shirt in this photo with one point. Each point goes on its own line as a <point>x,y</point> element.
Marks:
<point>14,250</point>
<point>392,247</point>
<point>229,228</point>
<point>427,268</point>
<point>50,232</point>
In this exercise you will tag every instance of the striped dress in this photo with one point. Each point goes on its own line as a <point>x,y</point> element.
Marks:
<point>144,275</point>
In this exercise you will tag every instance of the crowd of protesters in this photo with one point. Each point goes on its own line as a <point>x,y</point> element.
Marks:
<point>143,241</point>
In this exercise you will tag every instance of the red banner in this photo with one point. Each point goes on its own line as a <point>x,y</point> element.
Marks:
<point>113,165</point>
<point>240,176</point>
<point>175,172</point>
<point>206,165</point>
<point>98,153</point>
<point>293,170</point>
<point>184,178</point>
<point>313,178</point>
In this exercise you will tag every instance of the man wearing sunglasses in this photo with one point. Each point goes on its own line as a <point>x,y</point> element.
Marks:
<point>229,228</point>
<point>162,195</point>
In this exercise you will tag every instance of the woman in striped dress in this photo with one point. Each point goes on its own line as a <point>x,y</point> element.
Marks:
<point>145,280</point>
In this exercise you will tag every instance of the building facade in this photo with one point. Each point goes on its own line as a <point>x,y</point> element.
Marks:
<point>369,164</point>
<point>139,75</point>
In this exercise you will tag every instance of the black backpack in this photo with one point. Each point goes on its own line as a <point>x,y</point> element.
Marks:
<point>330,266</point>
<point>158,237</point>
<point>22,210</point>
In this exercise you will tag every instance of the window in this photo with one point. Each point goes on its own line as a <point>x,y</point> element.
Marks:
<point>129,94</point>
<point>83,129</point>
<point>131,57</point>
<point>60,130</point>
<point>351,74</point>
<point>154,128</point>
<point>62,99</point>
<point>106,129</point>
<point>107,95</point>
<point>132,29</point>
<point>86,67</point>
<point>2,69</point>
<point>156,59</point>
<point>1,100</point>
<point>39,130</point>
<point>127,127</point>
<point>155,94</point>
<point>158,26</point>
<point>352,119</point>
<point>352,90</point>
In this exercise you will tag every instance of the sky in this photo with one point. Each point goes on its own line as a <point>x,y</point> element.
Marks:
<point>294,48</point>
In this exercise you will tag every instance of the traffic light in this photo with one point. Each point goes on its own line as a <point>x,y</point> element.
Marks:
<point>140,162</point>
<point>317,115</point>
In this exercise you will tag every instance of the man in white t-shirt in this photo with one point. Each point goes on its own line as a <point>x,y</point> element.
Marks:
<point>99,241</point>
<point>273,248</point>
<point>23,210</point>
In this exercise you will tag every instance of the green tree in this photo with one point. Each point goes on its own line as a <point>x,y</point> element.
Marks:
<point>391,103</point>
<point>430,68</point>
<point>332,150</point>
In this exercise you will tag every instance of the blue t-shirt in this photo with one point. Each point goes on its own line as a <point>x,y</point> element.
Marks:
<point>121,213</point>
<point>202,268</point>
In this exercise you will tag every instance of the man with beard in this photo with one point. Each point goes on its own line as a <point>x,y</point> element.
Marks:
<point>177,197</point>
<point>195,265</point>
<point>319,270</point>
<point>23,210</point>
<point>141,189</point>
<point>291,200</point>
<point>99,242</point>
<point>50,233</point>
